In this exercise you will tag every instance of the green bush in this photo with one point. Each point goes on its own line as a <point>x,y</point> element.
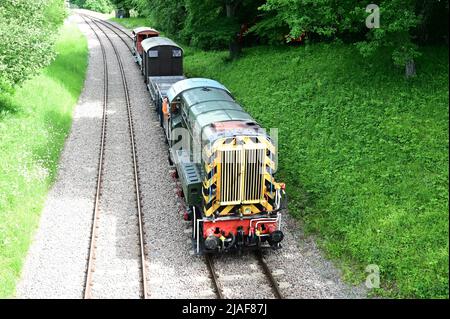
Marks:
<point>103,6</point>
<point>27,35</point>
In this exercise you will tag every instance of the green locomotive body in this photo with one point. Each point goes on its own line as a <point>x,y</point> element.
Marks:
<point>226,164</point>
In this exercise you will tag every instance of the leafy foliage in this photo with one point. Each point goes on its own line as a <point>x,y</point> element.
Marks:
<point>78,3</point>
<point>123,4</point>
<point>142,7</point>
<point>213,24</point>
<point>328,19</point>
<point>169,16</point>
<point>207,31</point>
<point>399,19</point>
<point>27,34</point>
<point>103,6</point>
<point>208,24</point>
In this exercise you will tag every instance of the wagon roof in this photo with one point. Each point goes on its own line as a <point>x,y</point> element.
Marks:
<point>189,84</point>
<point>149,43</point>
<point>144,29</point>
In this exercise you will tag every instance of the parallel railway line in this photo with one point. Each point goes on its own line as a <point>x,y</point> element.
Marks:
<point>96,214</point>
<point>215,277</point>
<point>111,27</point>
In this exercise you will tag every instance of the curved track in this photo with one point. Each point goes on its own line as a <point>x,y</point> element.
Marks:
<point>113,28</point>
<point>96,215</point>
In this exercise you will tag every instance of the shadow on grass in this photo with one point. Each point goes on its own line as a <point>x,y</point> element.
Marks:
<point>49,153</point>
<point>67,74</point>
<point>7,106</point>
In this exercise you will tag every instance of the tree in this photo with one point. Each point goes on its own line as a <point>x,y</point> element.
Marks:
<point>104,6</point>
<point>125,5</point>
<point>330,19</point>
<point>216,24</point>
<point>78,3</point>
<point>141,6</point>
<point>167,15</point>
<point>398,19</point>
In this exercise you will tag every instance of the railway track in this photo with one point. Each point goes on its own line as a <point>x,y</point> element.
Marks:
<point>273,283</point>
<point>209,259</point>
<point>113,28</point>
<point>96,214</point>
<point>215,277</point>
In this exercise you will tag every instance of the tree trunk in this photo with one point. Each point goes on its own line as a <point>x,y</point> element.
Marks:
<point>410,69</point>
<point>234,46</point>
<point>235,49</point>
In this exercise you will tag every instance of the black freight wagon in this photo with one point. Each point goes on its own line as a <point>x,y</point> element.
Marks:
<point>162,67</point>
<point>162,57</point>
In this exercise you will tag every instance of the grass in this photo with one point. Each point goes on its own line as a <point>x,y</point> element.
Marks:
<point>364,153</point>
<point>131,23</point>
<point>34,124</point>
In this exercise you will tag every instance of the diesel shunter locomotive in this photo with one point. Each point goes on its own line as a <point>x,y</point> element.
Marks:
<point>224,161</point>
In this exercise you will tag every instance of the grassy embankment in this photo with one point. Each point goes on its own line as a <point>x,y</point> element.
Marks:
<point>131,23</point>
<point>33,126</point>
<point>363,151</point>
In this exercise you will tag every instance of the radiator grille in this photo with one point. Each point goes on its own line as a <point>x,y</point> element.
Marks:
<point>242,175</point>
<point>253,181</point>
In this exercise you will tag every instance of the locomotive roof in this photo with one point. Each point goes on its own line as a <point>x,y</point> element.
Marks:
<point>207,106</point>
<point>204,94</point>
<point>184,86</point>
<point>144,29</point>
<point>208,113</point>
<point>208,103</point>
<point>149,43</point>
